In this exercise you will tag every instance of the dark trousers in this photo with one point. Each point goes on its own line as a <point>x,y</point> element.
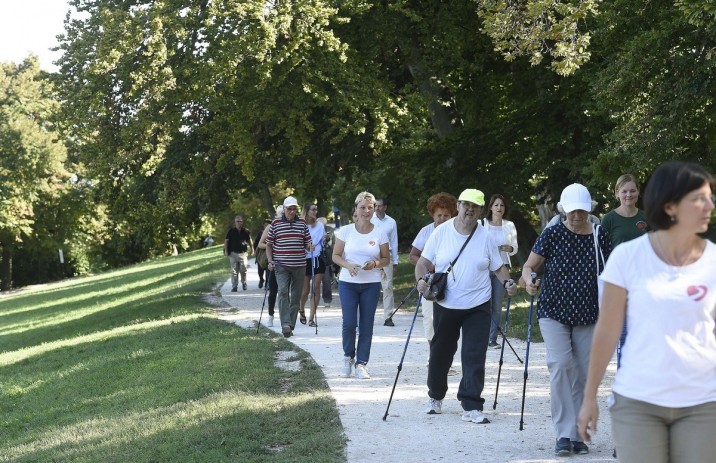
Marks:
<point>475,325</point>
<point>261,271</point>
<point>273,291</point>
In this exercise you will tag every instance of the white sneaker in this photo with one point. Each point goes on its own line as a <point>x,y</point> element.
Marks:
<point>435,406</point>
<point>361,372</point>
<point>270,321</point>
<point>347,366</point>
<point>475,416</point>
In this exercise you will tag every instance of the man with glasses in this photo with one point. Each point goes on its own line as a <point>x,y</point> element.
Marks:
<point>286,244</point>
<point>237,247</point>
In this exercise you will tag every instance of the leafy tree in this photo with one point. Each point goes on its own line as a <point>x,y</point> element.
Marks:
<point>31,157</point>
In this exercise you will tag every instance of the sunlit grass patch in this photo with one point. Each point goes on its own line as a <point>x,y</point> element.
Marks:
<point>142,371</point>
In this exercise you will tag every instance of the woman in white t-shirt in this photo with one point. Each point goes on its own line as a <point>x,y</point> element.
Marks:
<point>441,207</point>
<point>663,406</point>
<point>361,250</point>
<point>314,263</point>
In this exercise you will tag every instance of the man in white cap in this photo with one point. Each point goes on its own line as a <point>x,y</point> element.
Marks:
<point>286,245</point>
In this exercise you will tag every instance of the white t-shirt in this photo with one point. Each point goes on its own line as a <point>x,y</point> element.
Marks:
<point>360,248</point>
<point>469,281</point>
<point>422,237</point>
<point>391,230</point>
<point>318,233</point>
<point>669,357</point>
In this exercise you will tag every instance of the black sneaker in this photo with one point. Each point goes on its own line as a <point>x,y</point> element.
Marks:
<point>388,322</point>
<point>261,284</point>
<point>563,447</point>
<point>579,448</point>
<point>243,285</point>
<point>493,345</point>
<point>287,331</point>
<point>234,289</point>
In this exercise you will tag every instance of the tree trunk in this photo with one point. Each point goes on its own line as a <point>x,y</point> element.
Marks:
<point>6,268</point>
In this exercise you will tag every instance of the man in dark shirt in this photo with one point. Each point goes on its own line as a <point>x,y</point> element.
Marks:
<point>237,246</point>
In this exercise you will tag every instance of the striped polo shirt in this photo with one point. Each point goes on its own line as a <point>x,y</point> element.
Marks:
<point>289,241</point>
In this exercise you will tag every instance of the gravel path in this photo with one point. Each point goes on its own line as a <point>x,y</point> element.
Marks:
<point>409,434</point>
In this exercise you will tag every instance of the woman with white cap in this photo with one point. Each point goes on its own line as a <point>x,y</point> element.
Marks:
<point>568,307</point>
<point>462,248</point>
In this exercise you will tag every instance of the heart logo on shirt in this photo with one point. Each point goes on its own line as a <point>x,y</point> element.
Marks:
<point>697,292</point>
<point>371,242</point>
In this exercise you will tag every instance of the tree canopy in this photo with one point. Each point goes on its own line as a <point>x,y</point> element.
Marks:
<point>179,113</point>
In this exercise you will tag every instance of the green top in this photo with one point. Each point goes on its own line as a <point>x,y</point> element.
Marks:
<point>623,229</point>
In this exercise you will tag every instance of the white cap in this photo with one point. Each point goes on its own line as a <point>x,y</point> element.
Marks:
<point>576,197</point>
<point>290,201</point>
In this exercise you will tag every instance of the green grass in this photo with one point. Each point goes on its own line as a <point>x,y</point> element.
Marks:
<point>519,307</point>
<point>133,365</point>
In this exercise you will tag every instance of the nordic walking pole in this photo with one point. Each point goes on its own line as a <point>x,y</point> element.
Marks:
<point>504,338</point>
<point>405,349</point>
<point>313,292</point>
<point>404,299</point>
<point>533,275</point>
<point>264,304</point>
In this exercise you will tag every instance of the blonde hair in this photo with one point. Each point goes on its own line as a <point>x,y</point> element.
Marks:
<point>623,180</point>
<point>365,196</point>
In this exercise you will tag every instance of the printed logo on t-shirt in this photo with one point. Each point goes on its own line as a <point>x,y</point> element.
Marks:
<point>641,225</point>
<point>697,292</point>
<point>371,243</point>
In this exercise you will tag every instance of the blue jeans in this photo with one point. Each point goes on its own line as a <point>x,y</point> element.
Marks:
<point>358,304</point>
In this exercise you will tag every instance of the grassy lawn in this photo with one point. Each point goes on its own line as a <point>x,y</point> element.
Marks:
<point>133,366</point>
<point>519,307</point>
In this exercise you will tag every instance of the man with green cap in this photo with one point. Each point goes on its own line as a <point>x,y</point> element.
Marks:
<point>466,305</point>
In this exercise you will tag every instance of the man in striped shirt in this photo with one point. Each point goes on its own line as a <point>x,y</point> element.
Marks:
<point>286,245</point>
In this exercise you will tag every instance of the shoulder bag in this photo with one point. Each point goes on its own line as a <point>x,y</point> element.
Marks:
<point>437,282</point>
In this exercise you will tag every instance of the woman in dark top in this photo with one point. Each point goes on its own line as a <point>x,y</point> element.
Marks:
<point>568,307</point>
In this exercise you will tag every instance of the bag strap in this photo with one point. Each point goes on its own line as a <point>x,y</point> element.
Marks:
<point>597,248</point>
<point>461,249</point>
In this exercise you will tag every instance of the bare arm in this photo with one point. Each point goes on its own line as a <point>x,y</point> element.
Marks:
<point>504,275</point>
<point>534,263</point>
<point>414,255</point>
<point>262,241</point>
<point>422,267</point>
<point>606,335</point>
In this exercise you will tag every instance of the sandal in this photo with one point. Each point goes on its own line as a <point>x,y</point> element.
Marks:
<point>311,323</point>
<point>303,318</point>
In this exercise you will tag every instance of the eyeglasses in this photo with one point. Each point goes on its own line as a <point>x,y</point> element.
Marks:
<point>314,209</point>
<point>466,204</point>
<point>293,209</point>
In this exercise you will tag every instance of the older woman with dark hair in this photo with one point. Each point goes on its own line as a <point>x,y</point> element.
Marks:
<point>663,406</point>
<point>466,306</point>
<point>361,250</point>
<point>441,207</point>
<point>503,235</point>
<point>568,307</point>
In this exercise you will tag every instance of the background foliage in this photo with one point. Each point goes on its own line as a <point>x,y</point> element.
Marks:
<point>176,115</point>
